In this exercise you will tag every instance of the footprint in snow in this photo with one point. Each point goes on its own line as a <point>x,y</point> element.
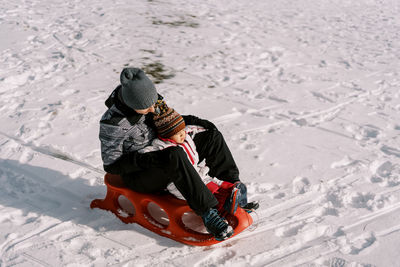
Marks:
<point>391,151</point>
<point>358,244</point>
<point>385,173</point>
<point>17,185</point>
<point>250,147</point>
<point>339,262</point>
<point>27,155</point>
<point>367,132</point>
<point>303,231</point>
<point>263,188</point>
<point>301,185</point>
<point>366,200</point>
<point>219,257</point>
<point>277,195</point>
<point>349,164</point>
<point>330,203</point>
<point>291,230</point>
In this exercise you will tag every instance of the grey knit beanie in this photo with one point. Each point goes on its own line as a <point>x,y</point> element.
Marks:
<point>138,91</point>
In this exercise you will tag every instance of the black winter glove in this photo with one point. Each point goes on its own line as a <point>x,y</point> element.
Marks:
<point>193,120</point>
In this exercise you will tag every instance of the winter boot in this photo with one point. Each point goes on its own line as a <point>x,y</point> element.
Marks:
<point>232,201</point>
<point>216,225</point>
<point>243,193</point>
<point>248,207</point>
<point>251,206</point>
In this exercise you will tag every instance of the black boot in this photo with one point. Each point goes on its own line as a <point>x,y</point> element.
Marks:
<point>251,206</point>
<point>216,225</point>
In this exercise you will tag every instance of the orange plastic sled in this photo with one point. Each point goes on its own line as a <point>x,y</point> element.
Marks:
<point>175,209</point>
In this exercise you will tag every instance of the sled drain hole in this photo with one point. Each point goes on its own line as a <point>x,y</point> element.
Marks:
<point>126,207</point>
<point>192,221</point>
<point>158,214</point>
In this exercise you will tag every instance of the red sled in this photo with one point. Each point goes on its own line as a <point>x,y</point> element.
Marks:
<point>165,215</point>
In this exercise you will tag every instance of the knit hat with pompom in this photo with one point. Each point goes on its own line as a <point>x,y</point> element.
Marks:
<point>168,122</point>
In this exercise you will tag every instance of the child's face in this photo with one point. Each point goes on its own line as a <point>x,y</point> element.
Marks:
<point>179,137</point>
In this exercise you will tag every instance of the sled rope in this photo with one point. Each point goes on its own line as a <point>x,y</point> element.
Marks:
<point>254,226</point>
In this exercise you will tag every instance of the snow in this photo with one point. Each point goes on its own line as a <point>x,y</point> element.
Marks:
<point>305,92</point>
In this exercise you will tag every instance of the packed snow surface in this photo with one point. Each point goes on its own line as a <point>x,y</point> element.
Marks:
<point>305,92</point>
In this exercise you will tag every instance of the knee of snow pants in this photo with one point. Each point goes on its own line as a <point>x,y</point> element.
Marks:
<point>189,183</point>
<point>212,147</point>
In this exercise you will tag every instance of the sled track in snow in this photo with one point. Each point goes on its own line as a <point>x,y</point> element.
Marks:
<point>332,110</point>
<point>53,153</point>
<point>313,248</point>
<point>324,247</point>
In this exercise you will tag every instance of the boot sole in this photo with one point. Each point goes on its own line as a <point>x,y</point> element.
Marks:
<point>228,234</point>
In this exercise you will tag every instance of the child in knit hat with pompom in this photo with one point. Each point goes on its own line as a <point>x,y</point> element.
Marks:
<point>172,131</point>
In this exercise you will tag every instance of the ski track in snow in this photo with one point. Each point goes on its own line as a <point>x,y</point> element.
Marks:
<point>306,94</point>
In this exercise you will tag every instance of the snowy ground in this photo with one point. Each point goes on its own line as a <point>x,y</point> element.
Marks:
<point>305,92</point>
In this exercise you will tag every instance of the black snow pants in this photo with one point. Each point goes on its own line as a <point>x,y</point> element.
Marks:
<point>212,147</point>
